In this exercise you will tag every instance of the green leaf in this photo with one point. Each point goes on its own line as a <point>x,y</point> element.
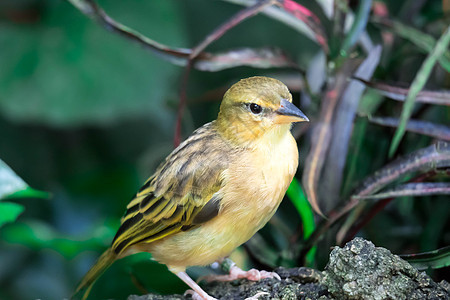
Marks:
<point>436,259</point>
<point>39,235</point>
<point>298,198</point>
<point>29,192</point>
<point>416,86</point>
<point>9,181</point>
<point>9,212</point>
<point>358,26</point>
<point>12,186</point>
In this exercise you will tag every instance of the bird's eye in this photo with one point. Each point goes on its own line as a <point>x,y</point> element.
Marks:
<point>255,108</point>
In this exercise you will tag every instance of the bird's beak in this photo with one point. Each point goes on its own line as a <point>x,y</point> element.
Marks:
<point>288,113</point>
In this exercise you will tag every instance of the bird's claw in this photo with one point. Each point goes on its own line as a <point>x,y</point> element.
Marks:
<point>237,273</point>
<point>256,275</point>
<point>196,296</point>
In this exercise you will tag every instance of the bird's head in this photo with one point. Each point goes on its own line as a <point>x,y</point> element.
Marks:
<point>255,108</point>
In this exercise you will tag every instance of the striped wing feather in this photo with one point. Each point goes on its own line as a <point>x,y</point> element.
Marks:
<point>183,192</point>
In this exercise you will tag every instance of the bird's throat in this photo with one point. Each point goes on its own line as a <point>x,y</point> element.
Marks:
<point>251,135</point>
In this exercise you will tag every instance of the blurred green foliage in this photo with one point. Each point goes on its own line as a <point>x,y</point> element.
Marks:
<point>87,115</point>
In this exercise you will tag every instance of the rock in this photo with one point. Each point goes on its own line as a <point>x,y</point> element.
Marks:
<point>359,270</point>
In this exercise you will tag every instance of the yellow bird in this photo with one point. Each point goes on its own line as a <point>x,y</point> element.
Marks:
<point>216,189</point>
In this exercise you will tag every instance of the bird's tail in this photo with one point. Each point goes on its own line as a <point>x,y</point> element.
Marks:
<point>105,260</point>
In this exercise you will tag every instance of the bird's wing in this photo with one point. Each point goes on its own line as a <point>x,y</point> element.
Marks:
<point>183,193</point>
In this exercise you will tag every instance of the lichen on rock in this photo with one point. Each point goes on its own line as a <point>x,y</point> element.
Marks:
<point>360,270</point>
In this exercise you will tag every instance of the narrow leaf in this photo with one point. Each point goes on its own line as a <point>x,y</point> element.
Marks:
<point>434,130</point>
<point>436,259</point>
<point>343,122</point>
<point>423,41</point>
<point>298,198</point>
<point>399,93</point>
<point>423,160</point>
<point>321,136</point>
<point>358,26</point>
<point>291,20</point>
<point>309,18</point>
<point>261,58</point>
<point>412,189</point>
<point>417,85</point>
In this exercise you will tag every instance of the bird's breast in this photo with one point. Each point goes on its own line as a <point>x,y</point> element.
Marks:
<point>258,180</point>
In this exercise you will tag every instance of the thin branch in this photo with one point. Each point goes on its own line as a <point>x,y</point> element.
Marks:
<point>232,22</point>
<point>197,50</point>
<point>259,58</point>
<point>431,129</point>
<point>398,93</point>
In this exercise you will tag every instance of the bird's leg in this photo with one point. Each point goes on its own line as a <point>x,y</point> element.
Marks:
<point>237,273</point>
<point>197,292</point>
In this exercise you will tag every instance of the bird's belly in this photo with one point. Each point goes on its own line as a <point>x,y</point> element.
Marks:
<point>202,245</point>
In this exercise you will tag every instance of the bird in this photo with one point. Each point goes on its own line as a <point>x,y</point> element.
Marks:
<point>216,189</point>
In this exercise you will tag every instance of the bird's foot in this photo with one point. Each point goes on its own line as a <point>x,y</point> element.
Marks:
<point>238,273</point>
<point>197,292</point>
<point>197,296</point>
